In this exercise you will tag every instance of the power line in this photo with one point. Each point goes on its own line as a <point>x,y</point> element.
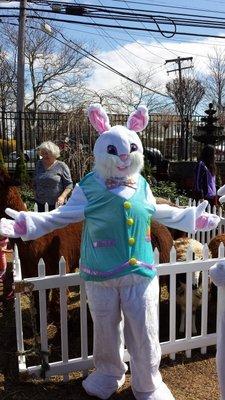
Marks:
<point>126,2</point>
<point>102,63</point>
<point>176,7</point>
<point>152,45</point>
<point>95,59</point>
<point>117,51</point>
<point>82,10</point>
<point>129,28</point>
<point>141,45</point>
<point>102,12</point>
<point>119,27</point>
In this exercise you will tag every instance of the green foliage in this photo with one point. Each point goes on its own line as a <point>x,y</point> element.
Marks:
<point>27,195</point>
<point>146,172</point>
<point>169,190</point>
<point>20,175</point>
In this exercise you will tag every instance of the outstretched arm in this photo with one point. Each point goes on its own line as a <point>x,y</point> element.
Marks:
<point>31,225</point>
<point>188,219</point>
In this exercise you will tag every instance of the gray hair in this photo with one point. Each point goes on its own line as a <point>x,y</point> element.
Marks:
<point>50,147</point>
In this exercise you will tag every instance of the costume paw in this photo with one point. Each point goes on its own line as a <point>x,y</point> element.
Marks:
<point>217,273</point>
<point>101,385</point>
<point>13,228</point>
<point>207,221</point>
<point>221,192</point>
<point>162,393</point>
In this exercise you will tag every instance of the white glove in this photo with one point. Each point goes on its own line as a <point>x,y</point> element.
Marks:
<point>217,273</point>
<point>205,221</point>
<point>221,192</point>
<point>13,228</point>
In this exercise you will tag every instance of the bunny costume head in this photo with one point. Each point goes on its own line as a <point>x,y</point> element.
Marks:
<point>118,151</point>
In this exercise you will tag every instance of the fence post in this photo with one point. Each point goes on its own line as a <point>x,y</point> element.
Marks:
<point>8,348</point>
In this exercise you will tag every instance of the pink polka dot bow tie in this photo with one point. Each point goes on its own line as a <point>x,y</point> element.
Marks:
<point>112,183</point>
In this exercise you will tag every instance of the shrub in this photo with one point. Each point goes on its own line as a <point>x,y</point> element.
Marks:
<point>169,190</point>
<point>27,195</point>
<point>20,175</point>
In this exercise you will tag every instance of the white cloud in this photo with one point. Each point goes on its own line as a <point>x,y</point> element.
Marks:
<point>150,55</point>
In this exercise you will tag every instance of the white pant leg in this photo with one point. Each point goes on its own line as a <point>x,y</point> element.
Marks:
<point>104,304</point>
<point>140,308</point>
<point>220,355</point>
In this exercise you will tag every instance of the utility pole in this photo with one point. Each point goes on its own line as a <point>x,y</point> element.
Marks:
<point>20,134</point>
<point>184,140</point>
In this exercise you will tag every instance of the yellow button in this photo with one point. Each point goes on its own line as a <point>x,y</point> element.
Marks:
<point>132,261</point>
<point>127,204</point>
<point>130,221</point>
<point>131,241</point>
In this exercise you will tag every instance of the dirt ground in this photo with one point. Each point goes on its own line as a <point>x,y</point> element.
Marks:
<point>193,379</point>
<point>188,379</point>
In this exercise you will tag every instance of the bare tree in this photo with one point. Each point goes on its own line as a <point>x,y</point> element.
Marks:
<point>128,95</point>
<point>54,76</point>
<point>54,69</point>
<point>186,94</point>
<point>216,79</point>
<point>55,72</point>
<point>7,88</point>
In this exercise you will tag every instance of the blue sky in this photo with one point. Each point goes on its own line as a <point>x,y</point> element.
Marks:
<point>130,51</point>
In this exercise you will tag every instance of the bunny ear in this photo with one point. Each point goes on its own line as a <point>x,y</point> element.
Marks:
<point>98,118</point>
<point>138,120</point>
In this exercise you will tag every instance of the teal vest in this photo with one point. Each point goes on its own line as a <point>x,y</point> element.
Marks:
<point>116,236</point>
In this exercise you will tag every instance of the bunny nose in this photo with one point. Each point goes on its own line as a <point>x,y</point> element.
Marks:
<point>123,157</point>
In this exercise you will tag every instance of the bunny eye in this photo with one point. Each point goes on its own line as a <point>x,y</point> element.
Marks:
<point>112,149</point>
<point>133,147</point>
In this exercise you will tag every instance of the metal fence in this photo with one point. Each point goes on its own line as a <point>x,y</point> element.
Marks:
<point>73,133</point>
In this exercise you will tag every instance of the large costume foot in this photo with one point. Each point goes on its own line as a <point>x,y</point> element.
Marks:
<point>102,386</point>
<point>162,393</point>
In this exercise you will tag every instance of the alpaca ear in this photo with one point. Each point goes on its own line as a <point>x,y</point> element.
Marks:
<point>138,120</point>
<point>98,118</point>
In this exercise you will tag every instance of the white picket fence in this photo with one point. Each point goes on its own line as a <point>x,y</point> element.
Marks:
<point>65,365</point>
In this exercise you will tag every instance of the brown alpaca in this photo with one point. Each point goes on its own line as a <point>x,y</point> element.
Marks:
<point>214,249</point>
<point>214,244</point>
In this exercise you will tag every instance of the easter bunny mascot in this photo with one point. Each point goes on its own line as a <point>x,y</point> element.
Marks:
<point>116,260</point>
<point>217,275</point>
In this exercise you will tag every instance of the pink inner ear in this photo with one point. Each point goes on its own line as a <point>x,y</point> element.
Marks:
<point>98,118</point>
<point>138,120</point>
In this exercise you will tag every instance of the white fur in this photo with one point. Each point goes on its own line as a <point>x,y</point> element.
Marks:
<point>106,165</point>
<point>110,165</point>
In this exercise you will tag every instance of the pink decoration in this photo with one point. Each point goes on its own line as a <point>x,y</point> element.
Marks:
<point>202,222</point>
<point>20,228</point>
<point>98,118</point>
